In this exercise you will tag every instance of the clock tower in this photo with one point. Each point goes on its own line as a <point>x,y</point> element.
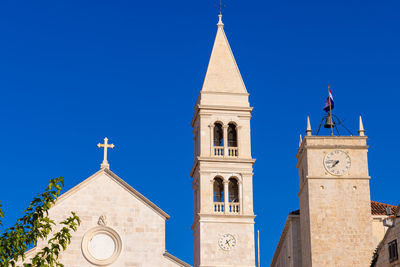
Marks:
<point>334,195</point>
<point>223,224</point>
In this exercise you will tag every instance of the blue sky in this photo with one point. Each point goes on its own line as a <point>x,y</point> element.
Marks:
<point>73,72</point>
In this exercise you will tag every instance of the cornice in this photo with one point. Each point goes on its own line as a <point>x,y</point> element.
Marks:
<point>229,108</point>
<point>335,147</point>
<point>304,147</point>
<point>199,107</point>
<point>334,137</point>
<point>217,159</point>
<point>223,218</point>
<point>223,93</point>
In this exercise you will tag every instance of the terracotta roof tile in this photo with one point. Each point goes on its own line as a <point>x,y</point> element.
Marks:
<point>377,208</point>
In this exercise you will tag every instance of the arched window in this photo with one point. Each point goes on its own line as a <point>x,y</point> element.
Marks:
<point>232,135</point>
<point>233,190</point>
<point>218,190</point>
<point>218,134</point>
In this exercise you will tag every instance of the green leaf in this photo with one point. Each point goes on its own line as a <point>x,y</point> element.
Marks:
<point>34,225</point>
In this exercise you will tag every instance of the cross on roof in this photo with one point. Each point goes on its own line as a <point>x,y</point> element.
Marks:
<point>105,164</point>
<point>221,6</point>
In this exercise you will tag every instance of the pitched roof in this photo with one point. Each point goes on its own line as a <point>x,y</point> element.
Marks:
<point>223,75</point>
<point>377,208</point>
<point>119,181</point>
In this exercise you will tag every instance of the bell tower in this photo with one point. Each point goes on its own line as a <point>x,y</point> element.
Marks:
<point>223,223</point>
<point>334,196</point>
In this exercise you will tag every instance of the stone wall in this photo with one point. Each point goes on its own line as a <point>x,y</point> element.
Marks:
<point>336,222</point>
<point>392,234</point>
<point>140,227</point>
<point>288,251</point>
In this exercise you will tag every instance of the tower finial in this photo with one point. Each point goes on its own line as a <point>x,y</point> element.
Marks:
<point>361,130</point>
<point>300,140</point>
<point>308,131</point>
<point>220,24</point>
<point>220,7</point>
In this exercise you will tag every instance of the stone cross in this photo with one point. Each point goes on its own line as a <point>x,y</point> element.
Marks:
<point>105,145</point>
<point>221,6</point>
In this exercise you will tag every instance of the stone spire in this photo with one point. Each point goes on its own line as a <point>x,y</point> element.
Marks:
<point>223,74</point>
<point>361,130</point>
<point>308,131</point>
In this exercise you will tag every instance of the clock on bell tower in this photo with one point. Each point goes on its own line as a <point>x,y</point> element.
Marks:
<point>334,196</point>
<point>223,223</point>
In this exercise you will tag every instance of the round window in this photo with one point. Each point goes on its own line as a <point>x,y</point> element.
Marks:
<point>101,245</point>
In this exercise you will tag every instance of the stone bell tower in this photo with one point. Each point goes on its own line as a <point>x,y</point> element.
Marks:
<point>334,195</point>
<point>223,224</point>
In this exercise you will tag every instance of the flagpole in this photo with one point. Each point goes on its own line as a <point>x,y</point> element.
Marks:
<point>258,247</point>
<point>330,107</point>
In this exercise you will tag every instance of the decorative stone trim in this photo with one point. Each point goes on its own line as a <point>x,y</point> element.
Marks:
<point>176,260</point>
<point>101,230</point>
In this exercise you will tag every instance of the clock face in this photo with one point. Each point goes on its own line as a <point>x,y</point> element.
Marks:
<point>227,242</point>
<point>337,162</point>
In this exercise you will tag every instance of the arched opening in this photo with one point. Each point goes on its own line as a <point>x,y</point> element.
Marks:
<point>232,135</point>
<point>233,190</point>
<point>218,134</point>
<point>218,190</point>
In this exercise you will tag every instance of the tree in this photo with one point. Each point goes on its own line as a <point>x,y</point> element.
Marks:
<point>35,224</point>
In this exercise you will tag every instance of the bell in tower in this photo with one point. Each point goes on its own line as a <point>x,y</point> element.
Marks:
<point>329,122</point>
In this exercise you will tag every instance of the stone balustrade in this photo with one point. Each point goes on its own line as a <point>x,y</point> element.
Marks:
<point>219,207</point>
<point>233,152</point>
<point>234,207</point>
<point>219,151</point>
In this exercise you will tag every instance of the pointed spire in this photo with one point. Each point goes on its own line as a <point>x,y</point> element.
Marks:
<point>223,75</point>
<point>361,130</point>
<point>308,131</point>
<point>301,140</point>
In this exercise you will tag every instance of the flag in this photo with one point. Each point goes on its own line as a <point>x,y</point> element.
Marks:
<point>329,99</point>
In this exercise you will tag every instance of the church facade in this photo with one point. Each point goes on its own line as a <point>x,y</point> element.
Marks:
<point>120,227</point>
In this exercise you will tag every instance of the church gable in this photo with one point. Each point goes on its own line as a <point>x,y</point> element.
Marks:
<point>119,227</point>
<point>118,181</point>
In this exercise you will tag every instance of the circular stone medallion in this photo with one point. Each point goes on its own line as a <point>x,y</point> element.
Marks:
<point>101,245</point>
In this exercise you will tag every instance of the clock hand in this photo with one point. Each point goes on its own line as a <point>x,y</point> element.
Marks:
<point>334,164</point>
